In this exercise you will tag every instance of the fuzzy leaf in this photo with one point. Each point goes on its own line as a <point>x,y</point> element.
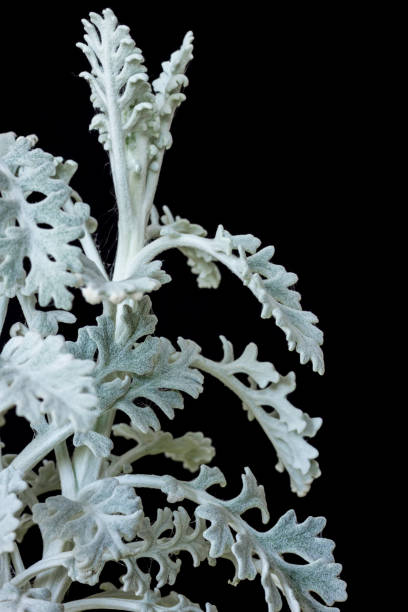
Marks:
<point>171,374</point>
<point>286,426</point>
<point>263,552</point>
<point>39,376</point>
<point>262,372</point>
<point>135,581</point>
<point>193,449</point>
<point>201,263</point>
<point>161,549</point>
<point>103,513</point>
<point>269,282</point>
<point>45,322</point>
<point>10,484</point>
<point>168,88</point>
<point>13,599</point>
<point>219,534</point>
<point>119,357</point>
<point>128,356</point>
<point>319,575</point>
<point>38,232</point>
<point>145,279</point>
<point>98,444</point>
<point>118,79</point>
<point>47,479</point>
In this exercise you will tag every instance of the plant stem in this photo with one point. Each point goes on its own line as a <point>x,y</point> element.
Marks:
<point>17,560</point>
<point>129,457</point>
<point>40,566</point>
<point>67,476</point>
<point>40,447</point>
<point>3,310</point>
<point>164,243</point>
<point>104,603</point>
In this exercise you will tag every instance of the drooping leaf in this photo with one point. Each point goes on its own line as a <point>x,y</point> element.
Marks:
<point>262,372</point>
<point>103,514</point>
<point>38,233</point>
<point>269,282</point>
<point>286,426</point>
<point>253,551</point>
<point>38,376</point>
<point>201,263</point>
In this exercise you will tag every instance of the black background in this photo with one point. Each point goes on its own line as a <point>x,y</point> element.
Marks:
<point>271,141</point>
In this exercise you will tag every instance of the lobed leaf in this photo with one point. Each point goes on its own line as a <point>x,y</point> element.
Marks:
<point>160,548</point>
<point>96,522</point>
<point>11,484</point>
<point>253,551</point>
<point>39,376</point>
<point>30,600</point>
<point>38,232</point>
<point>118,79</point>
<point>269,282</point>
<point>172,374</point>
<point>286,426</point>
<point>97,288</point>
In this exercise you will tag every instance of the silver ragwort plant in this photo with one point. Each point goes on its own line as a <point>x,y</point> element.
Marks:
<point>118,377</point>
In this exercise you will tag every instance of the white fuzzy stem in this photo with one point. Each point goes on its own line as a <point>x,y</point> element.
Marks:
<point>104,603</point>
<point>67,476</point>
<point>38,448</point>
<point>129,457</point>
<point>40,566</point>
<point>3,310</point>
<point>17,560</point>
<point>164,243</point>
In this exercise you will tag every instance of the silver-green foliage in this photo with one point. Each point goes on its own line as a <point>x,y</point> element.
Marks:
<point>118,369</point>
